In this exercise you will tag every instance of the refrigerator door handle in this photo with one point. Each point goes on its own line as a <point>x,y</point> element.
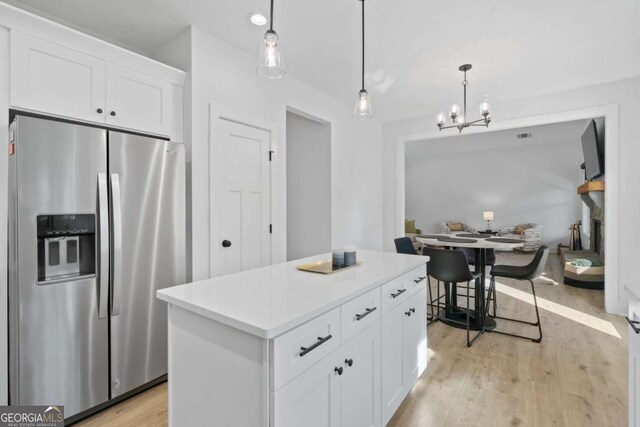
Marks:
<point>116,228</point>
<point>103,238</point>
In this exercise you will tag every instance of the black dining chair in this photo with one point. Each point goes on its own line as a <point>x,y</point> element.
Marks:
<point>528,272</point>
<point>470,253</point>
<point>451,267</point>
<point>404,245</point>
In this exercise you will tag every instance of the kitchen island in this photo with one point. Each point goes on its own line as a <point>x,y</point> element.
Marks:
<point>276,346</point>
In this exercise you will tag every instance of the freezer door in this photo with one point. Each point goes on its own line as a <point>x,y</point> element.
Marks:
<point>148,253</point>
<point>58,341</point>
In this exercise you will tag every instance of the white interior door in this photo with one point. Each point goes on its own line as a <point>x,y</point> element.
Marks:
<point>243,197</point>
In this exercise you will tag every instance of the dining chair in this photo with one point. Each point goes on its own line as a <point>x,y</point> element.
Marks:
<point>528,272</point>
<point>470,253</point>
<point>404,245</point>
<point>451,267</point>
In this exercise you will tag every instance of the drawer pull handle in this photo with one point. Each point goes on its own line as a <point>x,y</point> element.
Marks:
<point>420,279</point>
<point>348,362</point>
<point>633,324</point>
<point>367,312</point>
<point>397,294</point>
<point>338,370</point>
<point>411,310</point>
<point>315,345</point>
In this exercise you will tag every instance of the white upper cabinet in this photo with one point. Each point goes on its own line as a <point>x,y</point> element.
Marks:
<point>138,101</point>
<point>53,79</point>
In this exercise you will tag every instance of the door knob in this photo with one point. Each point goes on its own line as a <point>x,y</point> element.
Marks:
<point>99,110</point>
<point>226,243</point>
<point>348,362</point>
<point>113,113</point>
<point>338,370</point>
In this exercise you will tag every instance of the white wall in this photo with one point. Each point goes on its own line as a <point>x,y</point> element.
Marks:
<point>308,187</point>
<point>225,77</point>
<point>521,181</point>
<point>623,94</point>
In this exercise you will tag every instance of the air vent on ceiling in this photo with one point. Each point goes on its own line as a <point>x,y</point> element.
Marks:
<point>523,135</point>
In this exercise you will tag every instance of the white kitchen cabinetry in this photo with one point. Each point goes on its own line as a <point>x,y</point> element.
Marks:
<point>404,350</point>
<point>138,101</point>
<point>342,389</point>
<point>279,347</point>
<point>50,78</point>
<point>53,79</point>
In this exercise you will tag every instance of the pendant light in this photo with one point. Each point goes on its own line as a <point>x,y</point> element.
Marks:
<point>363,101</point>
<point>270,64</point>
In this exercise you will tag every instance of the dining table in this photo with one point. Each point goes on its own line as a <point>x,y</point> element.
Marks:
<point>480,243</point>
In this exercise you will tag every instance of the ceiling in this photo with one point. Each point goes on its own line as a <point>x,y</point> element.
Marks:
<point>551,134</point>
<point>414,47</point>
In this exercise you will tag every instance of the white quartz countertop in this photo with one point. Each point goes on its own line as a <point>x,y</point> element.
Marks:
<point>269,301</point>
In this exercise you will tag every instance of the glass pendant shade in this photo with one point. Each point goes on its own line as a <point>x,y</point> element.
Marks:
<point>270,64</point>
<point>442,119</point>
<point>455,109</point>
<point>484,106</point>
<point>363,105</point>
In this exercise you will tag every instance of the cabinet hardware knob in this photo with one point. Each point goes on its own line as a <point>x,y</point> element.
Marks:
<point>99,111</point>
<point>338,370</point>
<point>348,362</point>
<point>413,310</point>
<point>226,243</point>
<point>113,113</point>
<point>408,313</point>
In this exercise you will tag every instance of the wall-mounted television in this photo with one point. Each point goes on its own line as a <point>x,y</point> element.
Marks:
<point>593,152</point>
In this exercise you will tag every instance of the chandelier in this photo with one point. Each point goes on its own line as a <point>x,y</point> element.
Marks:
<point>458,113</point>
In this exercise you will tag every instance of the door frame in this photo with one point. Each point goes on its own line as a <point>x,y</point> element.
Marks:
<point>217,113</point>
<point>615,300</point>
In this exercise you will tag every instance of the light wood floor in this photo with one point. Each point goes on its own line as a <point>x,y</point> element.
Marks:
<point>577,376</point>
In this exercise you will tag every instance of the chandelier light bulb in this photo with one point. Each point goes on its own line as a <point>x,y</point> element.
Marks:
<point>442,119</point>
<point>485,106</point>
<point>454,110</point>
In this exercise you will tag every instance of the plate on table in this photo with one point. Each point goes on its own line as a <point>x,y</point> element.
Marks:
<point>431,236</point>
<point>456,240</point>
<point>503,240</point>
<point>475,235</point>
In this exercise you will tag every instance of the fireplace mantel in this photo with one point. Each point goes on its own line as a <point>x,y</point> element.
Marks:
<point>592,193</point>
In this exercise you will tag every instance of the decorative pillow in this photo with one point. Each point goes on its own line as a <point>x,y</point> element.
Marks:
<point>520,229</point>
<point>410,226</point>
<point>456,226</point>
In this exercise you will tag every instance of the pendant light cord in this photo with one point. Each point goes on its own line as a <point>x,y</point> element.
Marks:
<point>362,44</point>
<point>271,17</point>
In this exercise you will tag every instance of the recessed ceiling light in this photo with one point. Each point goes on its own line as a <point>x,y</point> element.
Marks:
<point>258,19</point>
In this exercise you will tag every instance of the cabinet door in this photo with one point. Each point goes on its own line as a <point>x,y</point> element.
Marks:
<point>138,101</point>
<point>50,78</point>
<point>392,372</point>
<point>414,330</point>
<point>313,398</point>
<point>361,379</point>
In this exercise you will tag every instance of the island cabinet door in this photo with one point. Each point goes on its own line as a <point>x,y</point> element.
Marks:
<point>392,372</point>
<point>361,379</point>
<point>312,399</point>
<point>414,329</point>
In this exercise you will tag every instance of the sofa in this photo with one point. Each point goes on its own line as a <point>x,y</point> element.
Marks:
<point>412,232</point>
<point>530,234</point>
<point>446,227</point>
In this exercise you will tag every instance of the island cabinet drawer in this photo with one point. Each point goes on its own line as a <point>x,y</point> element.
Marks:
<point>394,293</point>
<point>359,313</point>
<point>415,279</point>
<point>295,351</point>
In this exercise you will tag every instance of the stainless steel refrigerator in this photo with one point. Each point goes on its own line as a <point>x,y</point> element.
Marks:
<point>96,227</point>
